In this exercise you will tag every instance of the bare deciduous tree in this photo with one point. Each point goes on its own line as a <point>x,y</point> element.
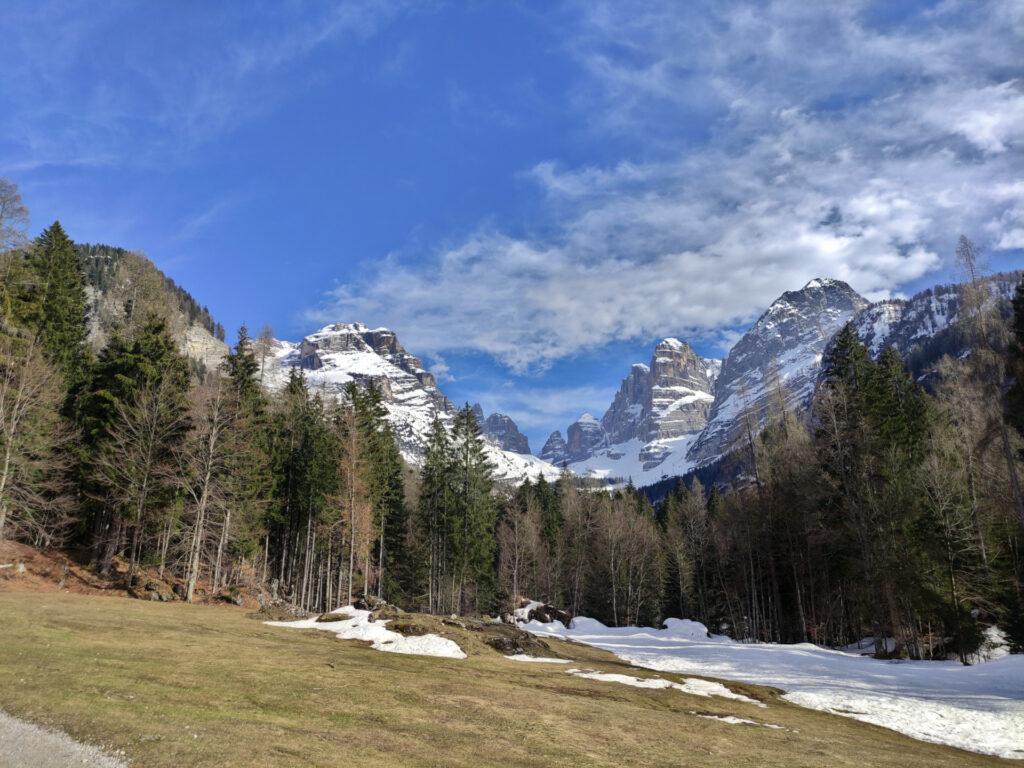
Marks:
<point>13,217</point>
<point>32,436</point>
<point>135,467</point>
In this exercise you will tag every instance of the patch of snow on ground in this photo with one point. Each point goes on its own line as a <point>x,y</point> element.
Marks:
<point>690,685</point>
<point>359,627</point>
<point>979,708</point>
<point>733,720</point>
<point>866,646</point>
<point>996,645</point>
<point>537,659</point>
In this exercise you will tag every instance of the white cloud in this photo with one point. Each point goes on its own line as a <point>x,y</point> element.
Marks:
<point>836,148</point>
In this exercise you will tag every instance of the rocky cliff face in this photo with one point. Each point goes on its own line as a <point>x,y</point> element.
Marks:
<point>779,355</point>
<point>908,323</point>
<point>627,415</point>
<point>584,436</point>
<point>503,432</point>
<point>351,352</point>
<point>118,279</point>
<point>669,398</point>
<point>555,451</point>
<point>659,407</point>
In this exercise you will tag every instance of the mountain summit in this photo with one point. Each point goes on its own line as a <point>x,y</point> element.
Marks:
<point>340,353</point>
<point>659,408</point>
<point>780,353</point>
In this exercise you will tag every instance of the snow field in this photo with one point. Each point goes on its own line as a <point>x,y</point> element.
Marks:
<point>359,627</point>
<point>978,708</point>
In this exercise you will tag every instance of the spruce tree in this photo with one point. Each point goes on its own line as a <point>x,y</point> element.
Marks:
<point>124,368</point>
<point>243,369</point>
<point>144,381</point>
<point>249,479</point>
<point>473,535</point>
<point>435,510</point>
<point>62,307</point>
<point>1015,395</point>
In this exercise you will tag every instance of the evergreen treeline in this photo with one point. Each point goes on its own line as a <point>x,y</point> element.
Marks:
<point>890,512</point>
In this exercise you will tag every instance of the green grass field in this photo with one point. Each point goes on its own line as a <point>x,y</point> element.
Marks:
<point>180,685</point>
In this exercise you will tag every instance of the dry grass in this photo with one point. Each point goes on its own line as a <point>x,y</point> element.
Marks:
<point>180,685</point>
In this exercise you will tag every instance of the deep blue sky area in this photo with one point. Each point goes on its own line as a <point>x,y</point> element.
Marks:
<point>530,193</point>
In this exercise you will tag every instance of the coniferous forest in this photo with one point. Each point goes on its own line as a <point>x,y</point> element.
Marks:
<point>893,510</point>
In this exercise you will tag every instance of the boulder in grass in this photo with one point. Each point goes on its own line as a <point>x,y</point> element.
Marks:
<point>545,614</point>
<point>368,603</point>
<point>513,641</point>
<point>385,612</point>
<point>408,628</point>
<point>232,595</point>
<point>152,589</point>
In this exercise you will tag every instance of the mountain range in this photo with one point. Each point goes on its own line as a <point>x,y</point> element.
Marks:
<point>683,412</point>
<point>672,415</point>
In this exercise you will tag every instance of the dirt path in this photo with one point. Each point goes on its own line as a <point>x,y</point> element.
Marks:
<point>23,745</point>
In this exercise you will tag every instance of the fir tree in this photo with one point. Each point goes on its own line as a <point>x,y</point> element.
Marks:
<point>124,368</point>
<point>243,369</point>
<point>1015,394</point>
<point>473,531</point>
<point>62,308</point>
<point>435,509</point>
<point>144,381</point>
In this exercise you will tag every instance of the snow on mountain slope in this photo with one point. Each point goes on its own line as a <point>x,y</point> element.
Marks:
<point>641,462</point>
<point>905,323</point>
<point>780,354</point>
<point>351,352</point>
<point>654,418</point>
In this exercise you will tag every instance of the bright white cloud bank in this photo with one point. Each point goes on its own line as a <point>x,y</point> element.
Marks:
<point>769,144</point>
<point>980,708</point>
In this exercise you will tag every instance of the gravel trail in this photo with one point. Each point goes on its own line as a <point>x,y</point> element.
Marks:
<point>24,745</point>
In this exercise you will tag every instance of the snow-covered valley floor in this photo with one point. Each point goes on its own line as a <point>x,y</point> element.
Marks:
<point>979,708</point>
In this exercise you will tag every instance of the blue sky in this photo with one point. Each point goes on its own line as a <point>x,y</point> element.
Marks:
<point>530,194</point>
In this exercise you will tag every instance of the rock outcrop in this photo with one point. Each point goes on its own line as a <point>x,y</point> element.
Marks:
<point>503,432</point>
<point>584,436</point>
<point>555,450</point>
<point>657,409</point>
<point>668,398</point>
<point>779,356</point>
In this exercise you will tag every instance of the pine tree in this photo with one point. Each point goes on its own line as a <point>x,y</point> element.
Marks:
<point>62,307</point>
<point>435,509</point>
<point>249,478</point>
<point>133,382</point>
<point>1015,394</point>
<point>473,541</point>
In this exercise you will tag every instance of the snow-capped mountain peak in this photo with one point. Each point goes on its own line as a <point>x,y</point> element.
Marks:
<point>657,411</point>
<point>781,351</point>
<point>340,353</point>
